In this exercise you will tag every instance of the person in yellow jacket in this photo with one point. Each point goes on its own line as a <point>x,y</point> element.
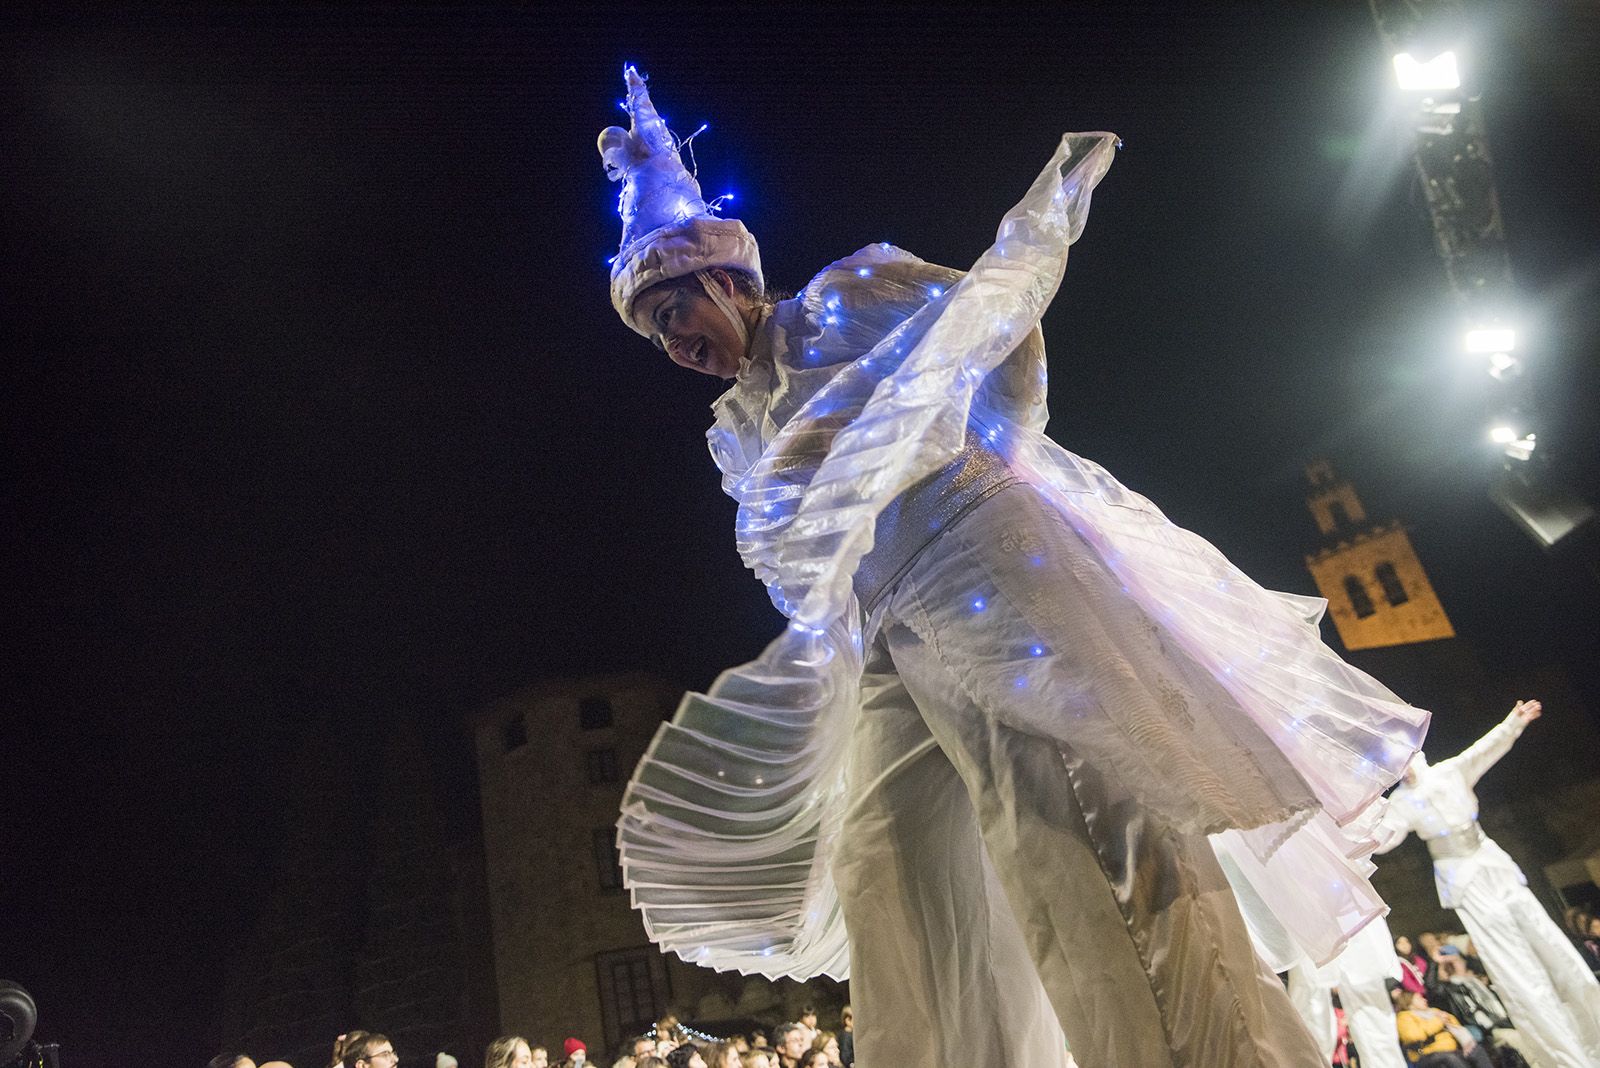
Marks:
<point>1432,1038</point>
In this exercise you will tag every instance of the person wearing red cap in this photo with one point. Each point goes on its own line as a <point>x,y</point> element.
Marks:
<point>576,1052</point>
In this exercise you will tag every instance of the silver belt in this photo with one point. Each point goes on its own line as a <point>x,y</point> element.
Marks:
<point>915,518</point>
<point>1461,843</point>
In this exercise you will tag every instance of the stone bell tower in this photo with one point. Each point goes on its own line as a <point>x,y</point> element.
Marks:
<point>1378,594</point>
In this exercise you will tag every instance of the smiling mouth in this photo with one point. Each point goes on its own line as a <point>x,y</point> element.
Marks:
<point>697,353</point>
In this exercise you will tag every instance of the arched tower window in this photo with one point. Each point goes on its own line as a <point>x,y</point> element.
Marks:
<point>1359,600</point>
<point>1394,591</point>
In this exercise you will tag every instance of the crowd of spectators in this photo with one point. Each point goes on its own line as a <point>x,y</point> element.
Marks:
<point>798,1044</point>
<point>1447,1015</point>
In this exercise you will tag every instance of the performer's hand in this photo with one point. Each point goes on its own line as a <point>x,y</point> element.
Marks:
<point>1528,711</point>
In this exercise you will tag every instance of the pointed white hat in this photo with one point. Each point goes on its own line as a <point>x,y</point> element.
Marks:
<point>668,230</point>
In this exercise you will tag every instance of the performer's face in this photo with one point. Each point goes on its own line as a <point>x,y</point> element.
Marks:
<point>692,330</point>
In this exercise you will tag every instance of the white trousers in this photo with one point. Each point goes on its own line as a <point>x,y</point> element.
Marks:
<point>998,891</point>
<point>1550,993</point>
<point>1367,1009</point>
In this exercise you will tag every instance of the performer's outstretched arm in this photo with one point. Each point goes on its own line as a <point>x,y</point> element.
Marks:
<point>1482,755</point>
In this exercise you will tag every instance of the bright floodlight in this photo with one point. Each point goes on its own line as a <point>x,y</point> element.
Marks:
<point>1491,339</point>
<point>1522,448</point>
<point>1502,435</point>
<point>1438,73</point>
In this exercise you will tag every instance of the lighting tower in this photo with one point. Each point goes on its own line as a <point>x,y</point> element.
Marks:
<point>1456,170</point>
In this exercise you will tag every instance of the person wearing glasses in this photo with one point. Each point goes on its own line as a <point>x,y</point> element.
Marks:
<point>373,1051</point>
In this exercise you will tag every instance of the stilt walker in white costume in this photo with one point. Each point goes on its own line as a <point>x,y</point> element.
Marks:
<point>976,772</point>
<point>1550,993</point>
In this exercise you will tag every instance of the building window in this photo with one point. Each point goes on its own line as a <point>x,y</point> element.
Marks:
<point>633,991</point>
<point>514,734</point>
<point>594,713</point>
<point>1358,597</point>
<point>1394,591</point>
<point>602,765</point>
<point>606,861</point>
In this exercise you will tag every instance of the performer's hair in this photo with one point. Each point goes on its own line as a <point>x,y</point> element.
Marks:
<point>225,1060</point>
<point>747,285</point>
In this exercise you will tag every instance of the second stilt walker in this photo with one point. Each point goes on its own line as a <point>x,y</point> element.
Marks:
<point>977,771</point>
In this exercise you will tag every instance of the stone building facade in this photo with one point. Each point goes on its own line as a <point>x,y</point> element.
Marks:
<point>1377,591</point>
<point>571,955</point>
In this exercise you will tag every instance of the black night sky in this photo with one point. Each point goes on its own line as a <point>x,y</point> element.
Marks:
<point>316,413</point>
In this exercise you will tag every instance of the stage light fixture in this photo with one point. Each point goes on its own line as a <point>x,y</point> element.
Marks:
<point>1502,435</point>
<point>1522,448</point>
<point>1504,366</point>
<point>1491,339</point>
<point>1438,73</point>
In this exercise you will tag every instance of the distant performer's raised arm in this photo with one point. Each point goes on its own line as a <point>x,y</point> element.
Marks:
<point>1483,754</point>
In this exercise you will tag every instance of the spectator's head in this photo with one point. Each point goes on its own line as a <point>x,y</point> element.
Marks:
<point>827,1043</point>
<point>758,1058</point>
<point>1407,999</point>
<point>644,1045</point>
<point>1403,947</point>
<point>686,1056</point>
<point>276,1064</point>
<point>508,1051</point>
<point>1429,943</point>
<point>575,1051</point>
<point>724,1055</point>
<point>814,1059</point>
<point>344,1044</point>
<point>1594,927</point>
<point>808,1016</point>
<point>759,1041</point>
<point>792,1042</point>
<point>667,1029</point>
<point>370,1050</point>
<point>650,1061</point>
<point>231,1060</point>
<point>625,1061</point>
<point>847,1019</point>
<point>541,1057</point>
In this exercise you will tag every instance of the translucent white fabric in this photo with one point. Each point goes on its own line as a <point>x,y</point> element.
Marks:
<point>865,383</point>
